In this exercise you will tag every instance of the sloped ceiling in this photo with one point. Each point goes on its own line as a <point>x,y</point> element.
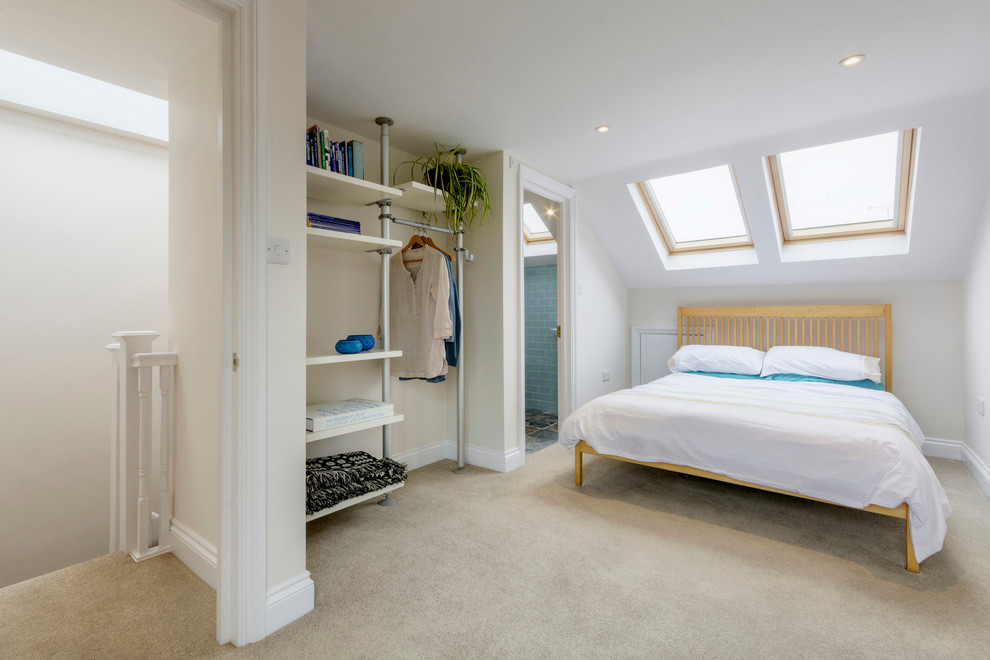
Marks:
<point>131,43</point>
<point>684,85</point>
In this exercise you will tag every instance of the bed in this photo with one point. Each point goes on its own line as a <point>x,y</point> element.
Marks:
<point>823,441</point>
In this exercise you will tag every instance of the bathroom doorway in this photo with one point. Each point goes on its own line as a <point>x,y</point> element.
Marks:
<point>540,221</point>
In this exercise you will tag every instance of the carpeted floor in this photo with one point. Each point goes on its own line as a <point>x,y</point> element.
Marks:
<point>636,564</point>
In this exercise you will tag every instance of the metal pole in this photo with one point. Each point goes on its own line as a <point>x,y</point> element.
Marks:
<point>384,214</point>
<point>461,255</point>
<point>460,251</point>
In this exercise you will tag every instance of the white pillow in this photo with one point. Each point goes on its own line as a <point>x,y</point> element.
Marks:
<point>821,362</point>
<point>717,359</point>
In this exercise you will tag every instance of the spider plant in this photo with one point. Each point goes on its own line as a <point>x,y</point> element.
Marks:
<point>463,186</point>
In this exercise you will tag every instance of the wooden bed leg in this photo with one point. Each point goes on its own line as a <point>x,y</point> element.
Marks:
<point>912,561</point>
<point>578,467</point>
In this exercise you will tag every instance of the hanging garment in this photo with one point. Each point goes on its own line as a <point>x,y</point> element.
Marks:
<point>453,344</point>
<point>419,315</point>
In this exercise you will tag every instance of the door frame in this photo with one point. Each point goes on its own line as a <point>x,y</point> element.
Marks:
<point>545,186</point>
<point>242,478</point>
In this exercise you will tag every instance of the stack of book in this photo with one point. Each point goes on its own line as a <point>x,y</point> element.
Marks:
<point>325,416</point>
<point>344,157</point>
<point>333,224</point>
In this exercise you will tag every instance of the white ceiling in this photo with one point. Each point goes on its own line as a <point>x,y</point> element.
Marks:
<point>684,85</point>
<point>671,77</point>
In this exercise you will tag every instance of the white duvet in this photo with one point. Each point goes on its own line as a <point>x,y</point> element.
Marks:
<point>840,443</point>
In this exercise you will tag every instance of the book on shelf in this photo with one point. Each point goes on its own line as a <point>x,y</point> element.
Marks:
<point>355,152</point>
<point>334,224</point>
<point>343,157</point>
<point>325,416</point>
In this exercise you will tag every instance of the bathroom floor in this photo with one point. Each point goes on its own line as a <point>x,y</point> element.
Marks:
<point>541,429</point>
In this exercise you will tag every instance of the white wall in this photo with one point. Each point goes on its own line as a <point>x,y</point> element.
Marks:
<point>602,309</point>
<point>282,30</point>
<point>491,317</point>
<point>976,331</point>
<point>196,287</point>
<point>927,334</point>
<point>83,236</point>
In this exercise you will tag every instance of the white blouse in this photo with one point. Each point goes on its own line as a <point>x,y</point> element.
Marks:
<point>419,313</point>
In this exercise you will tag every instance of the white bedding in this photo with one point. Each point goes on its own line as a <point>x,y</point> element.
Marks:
<point>840,443</point>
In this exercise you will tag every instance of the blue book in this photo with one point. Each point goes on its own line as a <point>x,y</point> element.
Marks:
<point>357,149</point>
<point>350,159</point>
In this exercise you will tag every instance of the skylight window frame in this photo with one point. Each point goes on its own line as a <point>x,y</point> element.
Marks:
<point>538,237</point>
<point>655,210</point>
<point>533,239</point>
<point>906,161</point>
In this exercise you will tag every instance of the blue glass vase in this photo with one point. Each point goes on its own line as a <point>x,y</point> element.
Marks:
<point>367,341</point>
<point>348,346</point>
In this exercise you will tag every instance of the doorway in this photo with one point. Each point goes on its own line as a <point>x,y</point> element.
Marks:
<point>539,224</point>
<point>546,333</point>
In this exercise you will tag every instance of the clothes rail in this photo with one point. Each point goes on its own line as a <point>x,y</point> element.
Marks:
<point>466,255</point>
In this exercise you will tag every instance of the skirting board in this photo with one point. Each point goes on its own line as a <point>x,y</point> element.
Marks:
<point>196,553</point>
<point>960,451</point>
<point>289,601</point>
<point>489,459</point>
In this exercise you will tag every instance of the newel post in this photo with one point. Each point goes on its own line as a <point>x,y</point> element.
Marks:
<point>128,427</point>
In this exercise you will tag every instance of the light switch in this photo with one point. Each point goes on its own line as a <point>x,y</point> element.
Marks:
<point>278,250</point>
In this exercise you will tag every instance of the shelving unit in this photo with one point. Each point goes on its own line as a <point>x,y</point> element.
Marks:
<point>339,240</point>
<point>313,436</point>
<point>333,187</point>
<point>351,191</point>
<point>337,358</point>
<point>420,197</point>
<point>354,500</point>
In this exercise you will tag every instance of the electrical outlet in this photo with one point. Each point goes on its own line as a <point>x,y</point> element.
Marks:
<point>606,375</point>
<point>980,409</point>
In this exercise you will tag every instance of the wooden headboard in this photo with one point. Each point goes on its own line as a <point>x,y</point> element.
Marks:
<point>863,329</point>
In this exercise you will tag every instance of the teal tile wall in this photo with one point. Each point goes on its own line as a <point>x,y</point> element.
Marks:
<point>541,337</point>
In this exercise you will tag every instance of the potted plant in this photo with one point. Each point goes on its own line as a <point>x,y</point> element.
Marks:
<point>463,186</point>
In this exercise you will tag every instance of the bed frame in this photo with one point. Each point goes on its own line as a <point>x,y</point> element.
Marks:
<point>863,329</point>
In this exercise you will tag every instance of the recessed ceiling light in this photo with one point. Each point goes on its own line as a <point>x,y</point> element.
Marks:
<point>852,60</point>
<point>604,128</point>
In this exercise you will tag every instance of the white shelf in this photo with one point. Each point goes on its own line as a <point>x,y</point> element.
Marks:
<point>421,197</point>
<point>355,500</point>
<point>313,436</point>
<point>337,358</point>
<point>339,240</point>
<point>343,189</point>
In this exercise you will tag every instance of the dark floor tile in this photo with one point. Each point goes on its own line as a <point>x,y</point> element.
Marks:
<point>542,420</point>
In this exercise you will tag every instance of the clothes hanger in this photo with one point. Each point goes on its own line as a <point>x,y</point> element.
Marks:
<point>416,241</point>
<point>429,241</point>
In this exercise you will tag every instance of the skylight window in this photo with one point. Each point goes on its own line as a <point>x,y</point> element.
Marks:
<point>55,91</point>
<point>534,229</point>
<point>698,210</point>
<point>845,189</point>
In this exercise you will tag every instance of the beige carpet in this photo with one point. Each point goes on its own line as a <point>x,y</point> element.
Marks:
<point>636,564</point>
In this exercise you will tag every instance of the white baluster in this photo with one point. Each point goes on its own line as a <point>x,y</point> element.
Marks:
<point>131,344</point>
<point>116,528</point>
<point>144,463</point>
<point>165,485</point>
<point>144,363</point>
